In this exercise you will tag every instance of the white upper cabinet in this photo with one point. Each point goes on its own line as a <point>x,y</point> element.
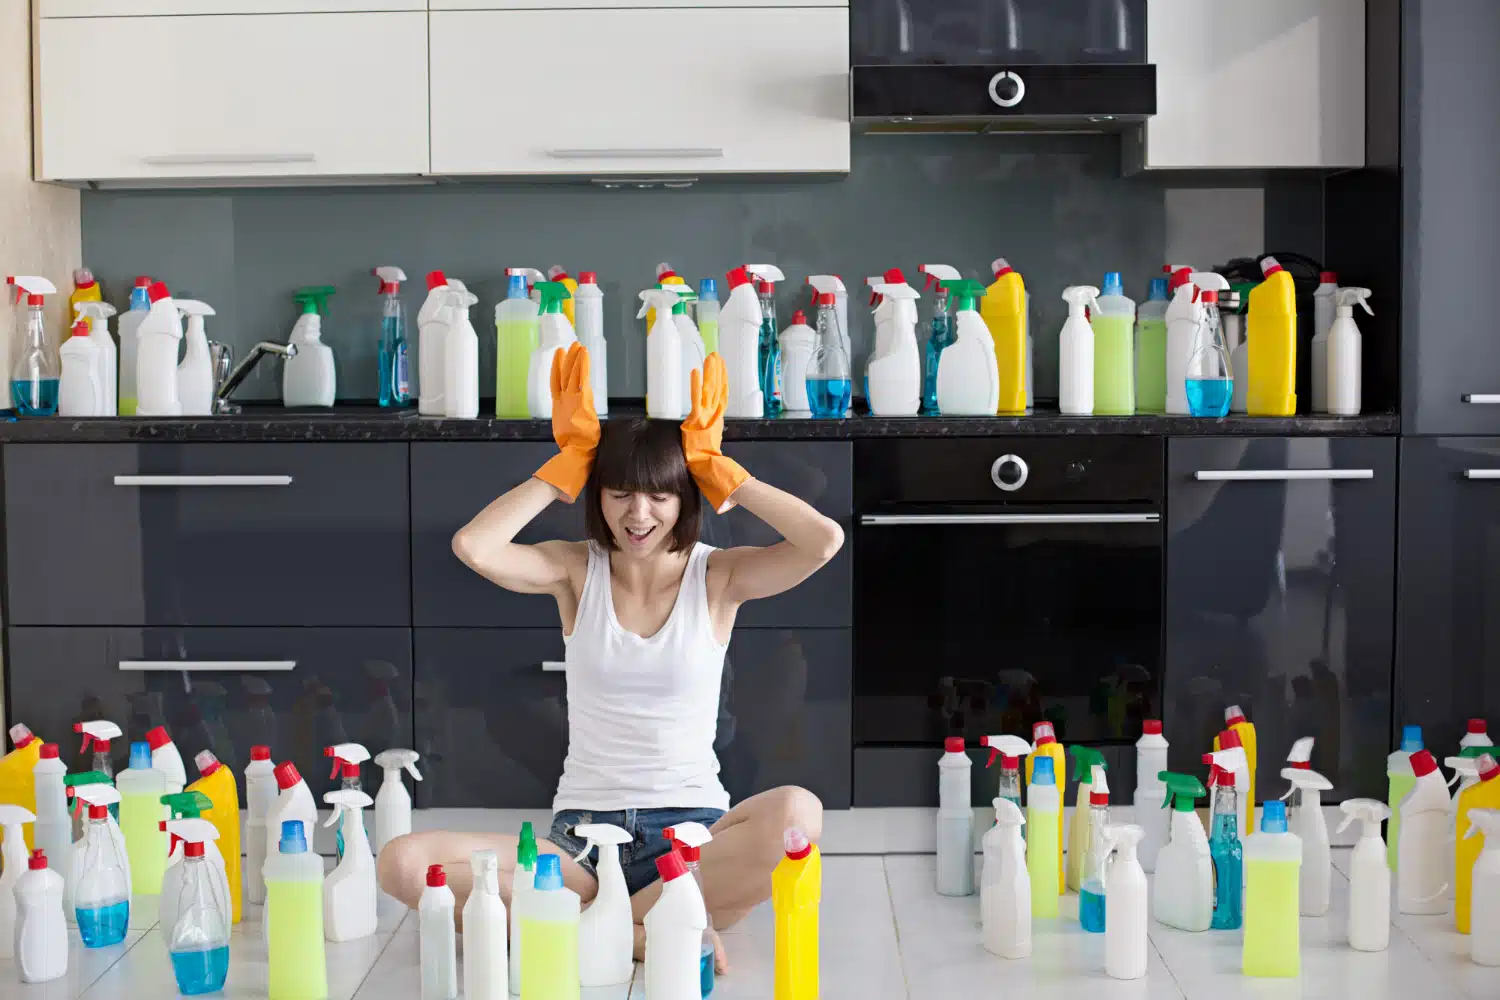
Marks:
<point>173,98</point>
<point>1275,83</point>
<point>162,8</point>
<point>622,4</point>
<point>640,92</point>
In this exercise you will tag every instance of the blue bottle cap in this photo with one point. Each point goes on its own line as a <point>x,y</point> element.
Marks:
<point>1112,283</point>
<point>548,872</point>
<point>1273,817</point>
<point>1042,772</point>
<point>1158,288</point>
<point>517,287</point>
<point>292,839</point>
<point>140,754</point>
<point>1411,738</point>
<point>707,289</point>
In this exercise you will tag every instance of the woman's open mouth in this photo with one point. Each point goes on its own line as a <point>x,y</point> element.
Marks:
<point>638,535</point>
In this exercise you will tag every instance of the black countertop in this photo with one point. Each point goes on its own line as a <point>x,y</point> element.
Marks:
<point>370,423</point>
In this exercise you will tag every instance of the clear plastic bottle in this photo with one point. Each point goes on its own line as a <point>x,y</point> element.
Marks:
<point>199,939</point>
<point>1091,901</point>
<point>829,379</point>
<point>770,349</point>
<point>395,374</point>
<point>688,840</point>
<point>1228,855</point>
<point>101,896</point>
<point>34,378</point>
<point>941,334</point>
<point>1210,377</point>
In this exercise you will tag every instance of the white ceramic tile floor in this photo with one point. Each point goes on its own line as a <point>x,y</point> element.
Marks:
<point>885,936</point>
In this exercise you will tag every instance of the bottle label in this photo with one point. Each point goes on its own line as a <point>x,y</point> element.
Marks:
<point>776,379</point>
<point>402,374</point>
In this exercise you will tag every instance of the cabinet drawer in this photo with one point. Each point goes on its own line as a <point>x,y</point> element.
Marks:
<point>733,90</point>
<point>244,96</point>
<point>296,690</point>
<point>324,542</point>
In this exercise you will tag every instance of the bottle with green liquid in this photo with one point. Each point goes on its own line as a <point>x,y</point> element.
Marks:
<point>1402,779</point>
<point>549,936</point>
<point>1113,320</point>
<point>706,312</point>
<point>1044,817</point>
<point>1151,350</point>
<point>294,901</point>
<point>141,787</point>
<point>517,331</point>
<point>1273,867</point>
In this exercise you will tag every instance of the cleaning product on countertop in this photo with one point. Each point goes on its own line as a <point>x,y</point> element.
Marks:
<point>349,894</point>
<point>437,939</point>
<point>18,771</point>
<point>85,290</point>
<point>485,961</point>
<point>706,312</point>
<point>968,382</point>
<point>1113,324</point>
<point>1183,316</point>
<point>1244,780</point>
<point>588,306</point>
<point>260,803</point>
<point>34,377</point>
<point>1476,734</point>
<point>666,398</point>
<point>1080,834</point>
<point>768,344</point>
<point>393,801</point>
<point>294,904</point>
<point>830,382</point>
<point>1484,941</point>
<point>1210,372</point>
<point>688,840</point>
<point>308,377</point>
<point>665,275</point>
<point>98,314</point>
<point>1422,877</point>
<point>217,783</point>
<point>955,821</point>
<point>1369,877</point>
<point>101,886</point>
<point>1345,350</point>
<point>1307,823</point>
<point>198,936</point>
<point>141,788</point>
<point>461,356</point>
<point>693,352</point>
<point>80,387</point>
<point>1005,886</point>
<point>1004,313</point>
<point>1485,794</point>
<point>1044,740</point>
<point>1272,943</point>
<point>555,333</point>
<point>739,343</point>
<point>796,895</point>
<point>129,331</point>
<point>394,371</point>
<point>894,383</point>
<point>13,820</point>
<point>940,337</point>
<point>1044,842</point>
<point>549,931</point>
<point>1092,878</point>
<point>1400,778</point>
<point>606,931</point>
<point>433,320</point>
<point>1232,308</point>
<point>1126,947</point>
<point>797,344</point>
<point>1325,304</point>
<point>674,927</point>
<point>522,889</point>
<point>1226,845</point>
<point>1272,331</point>
<point>195,372</point>
<point>1151,358</point>
<point>53,830</point>
<point>560,274</point>
<point>1150,799</point>
<point>41,941</point>
<point>1075,392</point>
<point>825,283</point>
<point>1183,894</point>
<point>517,332</point>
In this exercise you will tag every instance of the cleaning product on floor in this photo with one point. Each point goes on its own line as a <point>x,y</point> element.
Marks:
<point>141,788</point>
<point>41,941</point>
<point>1244,780</point>
<point>1005,886</point>
<point>433,320</point>
<point>830,379</point>
<point>517,333</point>
<point>1183,894</point>
<point>394,365</point>
<point>1044,740</point>
<point>1465,775</point>
<point>1004,313</point>
<point>101,886</point>
<point>1113,323</point>
<point>216,782</point>
<point>1325,306</point>
<point>1183,316</point>
<point>1484,939</point>
<point>940,336</point>
<point>1369,877</point>
<point>1210,372</point>
<point>437,938</point>
<point>768,344</point>
<point>186,823</point>
<point>165,756</point>
<point>13,857</point>
<point>606,931</point>
<point>294,801</point>
<point>674,928</point>
<point>393,801</point>
<point>461,356</point>
<point>1400,778</point>
<point>1075,388</point>
<point>1345,354</point>
<point>955,821</point>
<point>294,901</point>
<point>87,782</point>
<point>129,330</point>
<point>968,381</point>
<point>1125,940</point>
<point>34,377</point>
<point>688,840</point>
<point>739,343</point>
<point>1151,356</point>
<point>555,333</point>
<point>1226,846</point>
<point>588,305</point>
<point>1421,875</point>
<point>1091,881</point>
<point>349,894</point>
<point>1483,795</point>
<point>894,386</point>
<point>80,387</point>
<point>796,894</point>
<point>85,290</point>
<point>1272,944</point>
<point>97,314</point>
<point>1308,824</point>
<point>1150,799</point>
<point>1080,832</point>
<point>18,772</point>
<point>549,934</point>
<point>1044,841</point>
<point>347,758</point>
<point>666,398</point>
<point>308,377</point>
<point>198,936</point>
<point>692,344</point>
<point>53,830</point>
<point>1008,750</point>
<point>522,888</point>
<point>797,344</point>
<point>706,312</point>
<point>1476,734</point>
<point>260,802</point>
<point>485,963</point>
<point>560,274</point>
<point>1272,332</point>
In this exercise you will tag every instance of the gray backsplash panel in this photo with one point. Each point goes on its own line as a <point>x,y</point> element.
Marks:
<point>1057,207</point>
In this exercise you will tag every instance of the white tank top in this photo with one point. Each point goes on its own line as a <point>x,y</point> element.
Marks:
<point>642,713</point>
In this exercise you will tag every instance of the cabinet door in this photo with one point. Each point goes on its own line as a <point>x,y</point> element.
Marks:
<point>238,96</point>
<point>295,690</point>
<point>198,8</point>
<point>1280,580</point>
<point>491,721</point>
<point>451,482</point>
<point>1448,625</point>
<point>678,91</point>
<point>207,534</point>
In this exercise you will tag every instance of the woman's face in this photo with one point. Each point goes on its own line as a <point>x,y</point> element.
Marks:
<point>641,523</point>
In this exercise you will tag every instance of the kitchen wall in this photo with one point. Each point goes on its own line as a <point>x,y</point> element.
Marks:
<point>1056,206</point>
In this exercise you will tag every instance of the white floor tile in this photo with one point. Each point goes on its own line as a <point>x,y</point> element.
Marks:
<point>85,966</point>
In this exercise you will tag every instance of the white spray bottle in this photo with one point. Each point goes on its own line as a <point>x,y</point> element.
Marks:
<point>393,801</point>
<point>1345,352</point>
<point>1369,876</point>
<point>1150,792</point>
<point>688,840</point>
<point>1311,828</point>
<point>98,314</point>
<point>485,961</point>
<point>53,831</point>
<point>606,931</point>
<point>665,398</point>
<point>1465,775</point>
<point>308,377</point>
<point>461,356</point>
<point>895,373</point>
<point>1184,890</point>
<point>433,320</point>
<point>158,337</point>
<point>41,940</point>
<point>1075,358</point>
<point>694,352</point>
<point>968,376</point>
<point>1184,315</point>
<point>1005,887</point>
<point>195,373</point>
<point>955,821</point>
<point>739,344</point>
<point>12,820</point>
<point>349,893</point>
<point>588,307</point>
<point>555,333</point>
<point>1125,938</point>
<point>437,938</point>
<point>1484,913</point>
<point>1324,309</point>
<point>198,831</point>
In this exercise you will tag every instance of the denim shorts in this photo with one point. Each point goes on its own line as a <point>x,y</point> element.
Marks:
<point>637,858</point>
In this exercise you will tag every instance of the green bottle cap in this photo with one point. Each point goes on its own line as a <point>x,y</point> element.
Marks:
<point>1182,789</point>
<point>314,298</point>
<point>187,805</point>
<point>966,293</point>
<point>526,847</point>
<point>683,298</point>
<point>87,778</point>
<point>553,294</point>
<point>1084,759</point>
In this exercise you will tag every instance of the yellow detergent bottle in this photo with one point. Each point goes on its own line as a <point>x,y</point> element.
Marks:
<point>217,782</point>
<point>1044,737</point>
<point>1235,719</point>
<point>560,274</point>
<point>1003,310</point>
<point>17,783</point>
<point>1273,869</point>
<point>1483,795</point>
<point>1272,339</point>
<point>796,891</point>
<point>85,289</point>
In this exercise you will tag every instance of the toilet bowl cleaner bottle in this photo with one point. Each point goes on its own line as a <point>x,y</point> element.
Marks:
<point>294,801</point>
<point>588,306</point>
<point>198,935</point>
<point>1225,845</point>
<point>674,928</point>
<point>522,888</point>
<point>159,336</point>
<point>260,802</point>
<point>1075,390</point>
<point>1325,306</point>
<point>1150,800</point>
<point>739,343</point>
<point>80,387</point>
<point>1080,831</point>
<point>18,772</point>
<point>41,939</point>
<point>606,931</point>
<point>437,937</point>
<point>798,341</point>
<point>955,821</point>
<point>1369,877</point>
<point>53,830</point>
<point>549,932</point>
<point>1004,312</point>
<point>1044,844</point>
<point>666,398</point>
<point>296,954</point>
<point>940,332</point>
<point>216,783</point>
<point>1183,894</point>
<point>349,894</point>
<point>433,320</point>
<point>796,894</point>
<point>1421,875</point>
<point>393,801</point>
<point>394,371</point>
<point>165,757</point>
<point>1005,886</point>
<point>1308,824</point>
<point>555,333</point>
<point>141,788</point>
<point>1272,944</point>
<point>968,381</point>
<point>1476,734</point>
<point>1485,794</point>
<point>97,314</point>
<point>1044,739</point>
<point>461,356</point>
<point>308,378</point>
<point>517,332</point>
<point>1244,780</point>
<point>101,888</point>
<point>1091,881</point>
<point>486,966</point>
<point>1272,333</point>
<point>1484,939</point>
<point>1126,946</point>
<point>1400,779</point>
<point>688,840</point>
<point>1345,352</point>
<point>1151,354</point>
<point>13,857</point>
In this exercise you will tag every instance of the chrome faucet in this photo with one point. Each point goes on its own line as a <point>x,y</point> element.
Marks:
<point>228,380</point>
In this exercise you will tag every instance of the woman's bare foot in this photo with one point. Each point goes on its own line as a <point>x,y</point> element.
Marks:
<point>721,954</point>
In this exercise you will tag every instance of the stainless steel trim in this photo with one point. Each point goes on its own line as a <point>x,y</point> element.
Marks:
<point>1019,462</point>
<point>203,480</point>
<point>1482,473</point>
<point>639,153</point>
<point>1482,398</point>
<point>224,159</point>
<point>899,520</point>
<point>1278,475</point>
<point>247,666</point>
<point>554,666</point>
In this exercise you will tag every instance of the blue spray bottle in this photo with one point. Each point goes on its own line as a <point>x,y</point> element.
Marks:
<point>101,890</point>
<point>395,371</point>
<point>1225,846</point>
<point>198,941</point>
<point>941,335</point>
<point>769,352</point>
<point>1091,892</point>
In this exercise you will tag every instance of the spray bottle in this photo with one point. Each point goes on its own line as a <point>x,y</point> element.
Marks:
<point>99,732</point>
<point>1044,740</point>
<point>461,356</point>
<point>522,888</point>
<point>1091,879</point>
<point>1225,843</point>
<point>1344,354</point>
<point>675,925</point>
<point>796,893</point>
<point>1009,750</point>
<point>555,334</point>
<point>53,830</point>
<point>894,385</point>
<point>12,820</point>
<point>1210,370</point>
<point>349,893</point>
<point>1308,824</point>
<point>185,831</point>
<point>1400,779</point>
<point>1005,887</point>
<point>260,802</point>
<point>665,398</point>
<point>1244,779</point>
<point>706,312</point>
<point>195,373</point>
<point>1183,317</point>
<point>517,331</point>
<point>955,821</point>
<point>18,771</point>
<point>1422,881</point>
<point>294,901</point>
<point>1075,389</point>
<point>560,274</point>
<point>1150,794</point>
<point>41,941</point>
<point>830,383</point>
<point>739,343</point>
<point>768,344</point>
<point>216,783</point>
<point>307,377</point>
<point>1044,845</point>
<point>1183,895</point>
<point>394,372</point>
<point>688,840</point>
<point>1272,333</point>
<point>347,758</point>
<point>798,341</point>
<point>101,887</point>
<point>141,788</point>
<point>1484,794</point>
<point>693,353</point>
<point>1369,878</point>
<point>826,283</point>
<point>1465,769</point>
<point>606,931</point>
<point>485,962</point>
<point>940,336</point>
<point>588,304</point>
<point>198,934</point>
<point>80,387</point>
<point>185,807</point>
<point>1080,834</point>
<point>1324,310</point>
<point>34,377</point>
<point>97,315</point>
<point>968,382</point>
<point>1484,939</point>
<point>1272,944</point>
<point>1125,939</point>
<point>1151,360</point>
<point>665,275</point>
<point>393,801</point>
<point>433,320</point>
<point>77,783</point>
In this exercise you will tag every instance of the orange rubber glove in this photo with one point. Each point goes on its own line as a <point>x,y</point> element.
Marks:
<point>575,425</point>
<point>703,436</point>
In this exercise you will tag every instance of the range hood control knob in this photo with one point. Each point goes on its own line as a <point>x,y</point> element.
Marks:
<point>1009,473</point>
<point>1007,89</point>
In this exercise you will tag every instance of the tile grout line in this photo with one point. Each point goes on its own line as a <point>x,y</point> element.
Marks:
<point>895,928</point>
<point>118,959</point>
<point>1181,990</point>
<point>381,954</point>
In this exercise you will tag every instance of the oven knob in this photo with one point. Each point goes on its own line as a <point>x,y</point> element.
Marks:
<point>1009,472</point>
<point>1007,89</point>
<point>1075,471</point>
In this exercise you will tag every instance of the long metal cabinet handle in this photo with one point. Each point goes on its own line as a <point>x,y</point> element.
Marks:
<point>1482,473</point>
<point>554,666</point>
<point>1482,398</point>
<point>639,153</point>
<point>224,159</point>
<point>203,480</point>
<point>1278,475</point>
<point>899,520</point>
<point>234,666</point>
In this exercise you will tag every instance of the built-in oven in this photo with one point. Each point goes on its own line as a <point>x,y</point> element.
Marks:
<point>1000,582</point>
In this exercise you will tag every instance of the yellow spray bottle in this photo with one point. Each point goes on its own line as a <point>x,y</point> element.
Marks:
<point>1272,339</point>
<point>1044,738</point>
<point>796,891</point>
<point>1235,722</point>
<point>560,274</point>
<point>1003,309</point>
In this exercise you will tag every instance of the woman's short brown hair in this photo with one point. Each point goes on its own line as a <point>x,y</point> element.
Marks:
<point>637,455</point>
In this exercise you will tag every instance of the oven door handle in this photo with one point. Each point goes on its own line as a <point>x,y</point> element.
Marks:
<point>902,520</point>
<point>1278,475</point>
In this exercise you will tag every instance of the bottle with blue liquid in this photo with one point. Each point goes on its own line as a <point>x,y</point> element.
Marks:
<point>1224,847</point>
<point>688,840</point>
<point>34,378</point>
<point>1210,375</point>
<point>1091,893</point>
<point>395,371</point>
<point>941,333</point>
<point>199,940</point>
<point>770,349</point>
<point>830,382</point>
<point>101,894</point>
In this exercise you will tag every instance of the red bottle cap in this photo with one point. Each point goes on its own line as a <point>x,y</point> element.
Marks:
<point>50,751</point>
<point>1042,733</point>
<point>588,278</point>
<point>737,277</point>
<point>143,281</point>
<point>825,298</point>
<point>35,300</point>
<point>38,860</point>
<point>765,287</point>
<point>158,737</point>
<point>796,844</point>
<point>895,277</point>
<point>436,279</point>
<point>81,328</point>
<point>23,737</point>
<point>953,744</point>
<point>1477,727</point>
<point>351,770</point>
<point>286,775</point>
<point>1210,295</point>
<point>1422,763</point>
<point>101,746</point>
<point>260,753</point>
<point>1003,269</point>
<point>158,291</point>
<point>389,288</point>
<point>435,876</point>
<point>1328,278</point>
<point>1098,798</point>
<point>1229,739</point>
<point>1008,762</point>
<point>98,812</point>
<point>799,318</point>
<point>192,849</point>
<point>670,866</point>
<point>1151,727</point>
<point>1489,770</point>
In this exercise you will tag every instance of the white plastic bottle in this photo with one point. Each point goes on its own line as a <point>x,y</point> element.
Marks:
<point>688,840</point>
<point>128,329</point>
<point>260,802</point>
<point>433,320</point>
<point>968,380</point>
<point>195,372</point>
<point>1369,876</point>
<point>157,339</point>
<point>1345,351</point>
<point>53,830</point>
<point>606,931</point>
<point>1183,893</point>
<point>693,350</point>
<point>1075,372</point>
<point>1476,734</point>
<point>1151,792</point>
<point>349,892</point>
<point>12,820</point>
<point>308,378</point>
<point>588,307</point>
<point>294,801</point>
<point>1125,939</point>
<point>437,938</point>
<point>1422,878</point>
<point>98,314</point>
<point>895,386</point>
<point>797,343</point>
<point>555,333</point>
<point>199,831</point>
<point>1324,304</point>
<point>674,928</point>
<point>1005,888</point>
<point>41,937</point>
<point>485,931</point>
<point>80,389</point>
<point>164,754</point>
<point>549,930</point>
<point>955,820</point>
<point>1184,313</point>
<point>393,801</point>
<point>1484,913</point>
<point>460,356</point>
<point>665,395</point>
<point>1307,822</point>
<point>739,344</point>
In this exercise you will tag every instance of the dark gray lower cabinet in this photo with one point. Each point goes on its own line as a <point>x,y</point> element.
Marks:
<point>296,690</point>
<point>1280,582</point>
<point>1448,626</point>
